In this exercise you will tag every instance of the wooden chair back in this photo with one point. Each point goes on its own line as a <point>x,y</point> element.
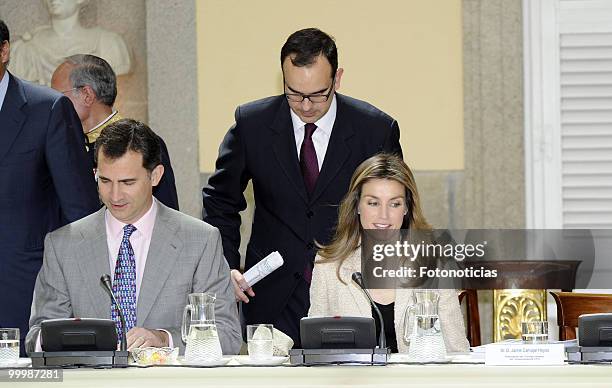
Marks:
<point>473,316</point>
<point>570,305</point>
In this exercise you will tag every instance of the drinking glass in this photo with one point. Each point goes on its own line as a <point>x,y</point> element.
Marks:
<point>9,346</point>
<point>260,341</point>
<point>534,332</point>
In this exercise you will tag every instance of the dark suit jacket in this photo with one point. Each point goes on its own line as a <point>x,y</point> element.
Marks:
<point>261,147</point>
<point>45,182</point>
<point>165,191</point>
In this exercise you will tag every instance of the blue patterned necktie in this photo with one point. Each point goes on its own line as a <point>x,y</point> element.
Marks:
<point>124,284</point>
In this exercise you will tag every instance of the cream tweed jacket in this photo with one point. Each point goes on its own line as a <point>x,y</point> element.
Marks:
<point>329,297</point>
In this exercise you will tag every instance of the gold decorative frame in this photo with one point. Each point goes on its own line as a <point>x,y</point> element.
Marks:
<point>513,306</point>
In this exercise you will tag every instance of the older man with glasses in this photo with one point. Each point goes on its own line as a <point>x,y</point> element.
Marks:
<point>91,84</point>
<point>299,149</point>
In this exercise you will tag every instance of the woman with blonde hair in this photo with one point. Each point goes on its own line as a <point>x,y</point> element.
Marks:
<point>382,196</point>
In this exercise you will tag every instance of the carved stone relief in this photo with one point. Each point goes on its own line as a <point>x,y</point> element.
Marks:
<point>39,51</point>
<point>112,29</point>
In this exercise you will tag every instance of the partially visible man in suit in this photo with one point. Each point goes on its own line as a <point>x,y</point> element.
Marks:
<point>156,256</point>
<point>45,182</point>
<point>90,83</point>
<point>300,150</point>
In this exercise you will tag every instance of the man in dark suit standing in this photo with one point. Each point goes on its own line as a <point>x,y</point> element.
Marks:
<point>300,150</point>
<point>45,182</point>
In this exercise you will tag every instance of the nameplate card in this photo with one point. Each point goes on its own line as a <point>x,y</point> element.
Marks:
<point>524,354</point>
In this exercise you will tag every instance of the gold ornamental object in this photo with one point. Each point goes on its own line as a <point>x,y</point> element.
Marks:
<point>513,306</point>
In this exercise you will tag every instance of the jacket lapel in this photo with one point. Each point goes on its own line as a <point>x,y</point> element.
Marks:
<point>338,149</point>
<point>359,299</point>
<point>403,298</point>
<point>11,116</point>
<point>285,151</point>
<point>95,264</point>
<point>164,251</point>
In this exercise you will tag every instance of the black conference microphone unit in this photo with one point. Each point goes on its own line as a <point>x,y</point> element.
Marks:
<point>594,344</point>
<point>88,342</point>
<point>108,286</point>
<point>358,278</point>
<point>341,339</point>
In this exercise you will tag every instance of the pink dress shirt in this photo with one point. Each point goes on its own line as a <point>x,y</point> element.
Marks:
<point>140,240</point>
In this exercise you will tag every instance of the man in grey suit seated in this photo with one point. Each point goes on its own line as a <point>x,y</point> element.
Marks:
<point>155,255</point>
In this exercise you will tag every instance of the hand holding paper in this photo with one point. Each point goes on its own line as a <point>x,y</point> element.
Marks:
<point>262,269</point>
<point>244,282</point>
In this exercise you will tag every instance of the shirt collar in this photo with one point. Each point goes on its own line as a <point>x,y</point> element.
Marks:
<point>3,87</point>
<point>144,225</point>
<point>114,112</point>
<point>324,124</point>
<point>93,134</point>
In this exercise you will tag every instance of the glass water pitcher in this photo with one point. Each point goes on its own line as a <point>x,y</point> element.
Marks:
<point>199,330</point>
<point>422,327</point>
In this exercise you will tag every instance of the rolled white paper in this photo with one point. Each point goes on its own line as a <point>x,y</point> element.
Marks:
<point>262,269</point>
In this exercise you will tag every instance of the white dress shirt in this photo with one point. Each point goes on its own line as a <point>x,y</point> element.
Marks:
<point>3,87</point>
<point>321,136</point>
